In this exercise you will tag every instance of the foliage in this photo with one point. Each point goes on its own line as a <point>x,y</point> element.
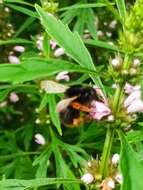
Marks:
<point>96,44</point>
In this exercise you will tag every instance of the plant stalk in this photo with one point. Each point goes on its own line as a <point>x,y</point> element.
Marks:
<point>106,151</point>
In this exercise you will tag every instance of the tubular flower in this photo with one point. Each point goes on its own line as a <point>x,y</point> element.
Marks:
<point>99,110</point>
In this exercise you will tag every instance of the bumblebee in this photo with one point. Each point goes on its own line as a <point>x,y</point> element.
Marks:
<point>75,107</point>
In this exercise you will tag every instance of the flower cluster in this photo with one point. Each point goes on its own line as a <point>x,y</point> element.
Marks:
<point>92,174</point>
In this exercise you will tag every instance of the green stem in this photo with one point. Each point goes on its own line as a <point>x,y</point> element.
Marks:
<point>106,152</point>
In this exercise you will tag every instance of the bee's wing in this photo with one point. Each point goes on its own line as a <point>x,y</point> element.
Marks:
<point>63,104</point>
<point>50,87</point>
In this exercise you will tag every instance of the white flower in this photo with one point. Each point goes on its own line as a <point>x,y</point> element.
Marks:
<point>115,159</point>
<point>111,183</point>
<point>119,178</point>
<point>87,178</point>
<point>133,71</point>
<point>39,139</point>
<point>116,62</point>
<point>108,34</point>
<point>63,76</point>
<point>99,110</point>
<point>37,121</point>
<point>111,118</point>
<point>13,59</point>
<point>113,24</point>
<point>136,62</point>
<point>13,97</point>
<point>59,51</point>
<point>19,48</point>
<point>39,42</point>
<point>100,33</point>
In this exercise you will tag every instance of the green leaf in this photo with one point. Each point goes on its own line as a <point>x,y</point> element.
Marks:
<point>121,8</point>
<point>24,26</point>
<point>131,167</point>
<point>53,112</point>
<point>70,41</point>
<point>34,68</point>
<point>15,184</point>
<point>23,10</point>
<point>15,41</point>
<point>101,44</point>
<point>83,6</point>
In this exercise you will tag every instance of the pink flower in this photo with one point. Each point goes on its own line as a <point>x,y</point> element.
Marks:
<point>20,49</point>
<point>63,76</point>
<point>135,95</point>
<point>59,51</point>
<point>53,44</point>
<point>13,59</point>
<point>39,139</point>
<point>129,88</point>
<point>87,178</point>
<point>100,93</point>
<point>13,97</point>
<point>135,106</point>
<point>99,110</point>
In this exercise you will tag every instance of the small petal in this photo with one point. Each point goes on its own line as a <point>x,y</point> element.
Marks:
<point>115,159</point>
<point>135,106</point>
<point>99,110</point>
<point>13,59</point>
<point>136,62</point>
<point>135,95</point>
<point>87,178</point>
<point>39,139</point>
<point>58,52</point>
<point>129,88</point>
<point>63,76</point>
<point>13,97</point>
<point>113,24</point>
<point>116,62</point>
<point>53,44</point>
<point>111,184</point>
<point>100,93</point>
<point>19,49</point>
<point>119,178</point>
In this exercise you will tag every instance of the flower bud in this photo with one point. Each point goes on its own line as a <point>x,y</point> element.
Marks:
<point>119,178</point>
<point>39,139</point>
<point>132,71</point>
<point>116,62</point>
<point>136,63</point>
<point>13,59</point>
<point>63,76</point>
<point>110,118</point>
<point>58,52</point>
<point>115,159</point>
<point>111,183</point>
<point>13,97</point>
<point>87,178</point>
<point>20,49</point>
